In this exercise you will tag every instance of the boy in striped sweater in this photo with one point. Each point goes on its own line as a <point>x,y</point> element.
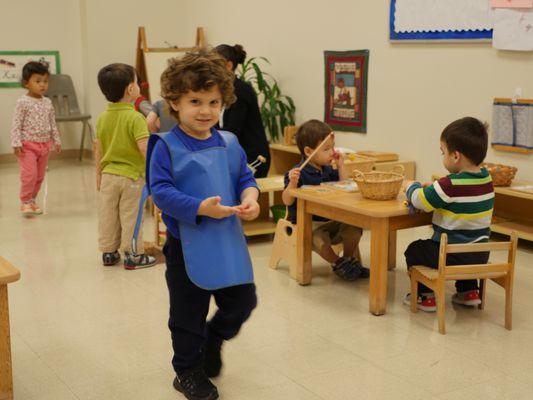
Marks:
<point>461,203</point>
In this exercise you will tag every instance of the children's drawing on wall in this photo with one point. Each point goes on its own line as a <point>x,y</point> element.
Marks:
<point>11,63</point>
<point>346,86</point>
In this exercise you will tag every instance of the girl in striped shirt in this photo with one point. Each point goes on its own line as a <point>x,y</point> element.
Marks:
<point>461,203</point>
<point>33,134</point>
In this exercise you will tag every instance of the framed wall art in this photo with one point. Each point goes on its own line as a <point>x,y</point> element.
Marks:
<point>11,63</point>
<point>346,77</point>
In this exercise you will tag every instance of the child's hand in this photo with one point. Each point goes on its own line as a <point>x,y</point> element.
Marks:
<point>338,157</point>
<point>17,151</point>
<point>248,210</point>
<point>294,176</point>
<point>153,122</point>
<point>58,148</point>
<point>406,183</point>
<point>211,207</point>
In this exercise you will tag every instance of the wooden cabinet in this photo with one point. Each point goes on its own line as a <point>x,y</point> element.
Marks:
<point>271,188</point>
<point>513,210</point>
<point>284,157</point>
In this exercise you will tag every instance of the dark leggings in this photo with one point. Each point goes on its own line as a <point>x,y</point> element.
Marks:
<point>426,252</point>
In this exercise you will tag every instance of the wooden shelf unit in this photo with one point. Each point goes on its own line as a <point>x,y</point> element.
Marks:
<point>284,157</point>
<point>513,211</point>
<point>271,188</point>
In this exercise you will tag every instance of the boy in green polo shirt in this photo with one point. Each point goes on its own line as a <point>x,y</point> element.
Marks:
<point>122,137</point>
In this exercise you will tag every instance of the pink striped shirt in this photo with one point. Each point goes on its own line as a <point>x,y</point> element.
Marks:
<point>34,121</point>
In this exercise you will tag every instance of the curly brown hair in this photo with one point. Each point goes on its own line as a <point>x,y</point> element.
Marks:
<point>196,71</point>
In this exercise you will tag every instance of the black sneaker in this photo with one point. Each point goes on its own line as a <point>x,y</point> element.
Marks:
<point>344,269</point>
<point>363,272</point>
<point>212,356</point>
<point>110,259</point>
<point>138,261</point>
<point>195,385</point>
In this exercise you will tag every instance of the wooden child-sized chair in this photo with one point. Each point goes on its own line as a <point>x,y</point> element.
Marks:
<point>501,273</point>
<point>284,245</point>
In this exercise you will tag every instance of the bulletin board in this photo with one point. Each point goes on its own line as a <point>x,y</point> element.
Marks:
<point>440,20</point>
<point>152,61</point>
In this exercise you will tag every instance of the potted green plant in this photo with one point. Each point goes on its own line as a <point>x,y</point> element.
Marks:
<point>277,110</point>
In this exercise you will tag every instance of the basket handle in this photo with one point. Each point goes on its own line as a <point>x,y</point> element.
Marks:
<point>400,168</point>
<point>358,174</point>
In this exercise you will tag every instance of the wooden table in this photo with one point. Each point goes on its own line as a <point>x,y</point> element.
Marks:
<point>382,218</point>
<point>8,274</point>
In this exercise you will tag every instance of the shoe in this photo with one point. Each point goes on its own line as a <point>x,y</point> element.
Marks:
<point>27,210</point>
<point>363,272</point>
<point>212,355</point>
<point>36,209</point>
<point>470,298</point>
<point>195,385</point>
<point>138,261</point>
<point>344,269</point>
<point>426,302</point>
<point>109,259</point>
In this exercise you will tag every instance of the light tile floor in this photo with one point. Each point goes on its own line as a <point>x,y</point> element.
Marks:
<point>81,331</point>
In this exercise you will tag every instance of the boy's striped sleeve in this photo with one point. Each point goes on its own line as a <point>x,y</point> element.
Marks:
<point>430,197</point>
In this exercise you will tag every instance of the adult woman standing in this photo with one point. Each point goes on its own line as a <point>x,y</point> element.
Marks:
<point>243,117</point>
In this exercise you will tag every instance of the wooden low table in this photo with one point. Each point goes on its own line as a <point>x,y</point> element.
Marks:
<point>8,274</point>
<point>382,218</point>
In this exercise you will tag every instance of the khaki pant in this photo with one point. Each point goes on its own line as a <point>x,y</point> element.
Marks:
<point>118,203</point>
<point>333,232</point>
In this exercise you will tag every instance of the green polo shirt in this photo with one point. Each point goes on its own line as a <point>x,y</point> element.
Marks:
<point>118,129</point>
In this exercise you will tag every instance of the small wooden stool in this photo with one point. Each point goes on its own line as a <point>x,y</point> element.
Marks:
<point>284,246</point>
<point>8,274</point>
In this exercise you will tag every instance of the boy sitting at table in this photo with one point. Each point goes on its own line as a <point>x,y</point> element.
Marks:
<point>462,204</point>
<point>316,170</point>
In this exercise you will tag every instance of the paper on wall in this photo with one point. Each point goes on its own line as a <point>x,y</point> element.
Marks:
<point>442,15</point>
<point>512,4</point>
<point>513,29</point>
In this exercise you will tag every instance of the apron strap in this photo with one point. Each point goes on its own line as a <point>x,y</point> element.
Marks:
<point>144,196</point>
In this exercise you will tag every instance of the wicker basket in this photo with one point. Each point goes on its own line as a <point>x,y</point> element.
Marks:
<point>502,175</point>
<point>379,185</point>
<point>356,162</point>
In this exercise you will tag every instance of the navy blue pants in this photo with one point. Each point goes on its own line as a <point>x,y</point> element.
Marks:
<point>426,252</point>
<point>189,306</point>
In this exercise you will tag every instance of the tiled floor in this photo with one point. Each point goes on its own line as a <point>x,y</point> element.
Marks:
<point>82,331</point>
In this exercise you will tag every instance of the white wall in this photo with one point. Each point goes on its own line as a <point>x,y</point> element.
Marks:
<point>88,34</point>
<point>110,35</point>
<point>414,90</point>
<point>37,25</point>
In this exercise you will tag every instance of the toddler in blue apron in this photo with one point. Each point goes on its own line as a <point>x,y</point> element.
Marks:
<point>199,178</point>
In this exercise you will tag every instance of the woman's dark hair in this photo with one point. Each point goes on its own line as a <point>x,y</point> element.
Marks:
<point>235,54</point>
<point>113,80</point>
<point>469,137</point>
<point>34,67</point>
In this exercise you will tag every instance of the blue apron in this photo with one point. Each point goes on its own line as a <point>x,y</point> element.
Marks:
<point>215,250</point>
